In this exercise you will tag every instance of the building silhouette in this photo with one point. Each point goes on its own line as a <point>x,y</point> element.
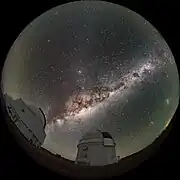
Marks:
<point>96,148</point>
<point>29,120</point>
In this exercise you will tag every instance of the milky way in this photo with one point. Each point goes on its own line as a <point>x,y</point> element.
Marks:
<point>85,102</point>
<point>94,64</point>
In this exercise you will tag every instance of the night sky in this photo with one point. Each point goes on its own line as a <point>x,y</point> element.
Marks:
<point>94,64</point>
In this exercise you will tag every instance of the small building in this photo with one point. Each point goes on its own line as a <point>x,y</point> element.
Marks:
<point>28,119</point>
<point>96,148</point>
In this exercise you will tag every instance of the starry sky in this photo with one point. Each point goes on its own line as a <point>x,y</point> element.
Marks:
<point>94,64</point>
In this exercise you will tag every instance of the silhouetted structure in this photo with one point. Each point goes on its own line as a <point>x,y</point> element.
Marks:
<point>28,119</point>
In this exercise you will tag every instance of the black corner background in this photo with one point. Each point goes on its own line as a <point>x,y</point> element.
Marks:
<point>16,15</point>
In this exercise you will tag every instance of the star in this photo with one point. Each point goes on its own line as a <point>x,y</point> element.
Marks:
<point>89,71</point>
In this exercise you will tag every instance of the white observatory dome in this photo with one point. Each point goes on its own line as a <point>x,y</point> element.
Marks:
<point>91,134</point>
<point>96,148</point>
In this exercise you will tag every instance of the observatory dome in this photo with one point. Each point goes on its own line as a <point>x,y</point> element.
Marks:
<point>96,134</point>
